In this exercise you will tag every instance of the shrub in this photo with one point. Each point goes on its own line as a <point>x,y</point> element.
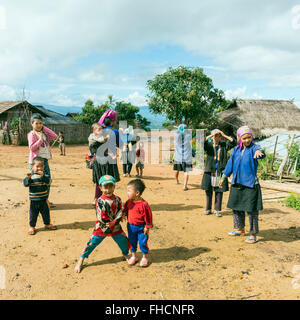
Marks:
<point>293,201</point>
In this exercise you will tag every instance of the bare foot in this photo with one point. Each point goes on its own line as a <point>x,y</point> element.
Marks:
<point>31,231</point>
<point>78,266</point>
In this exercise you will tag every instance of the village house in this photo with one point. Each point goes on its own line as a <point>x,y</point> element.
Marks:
<point>265,117</point>
<point>10,111</point>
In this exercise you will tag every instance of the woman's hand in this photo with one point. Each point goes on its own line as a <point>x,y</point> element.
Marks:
<point>258,154</point>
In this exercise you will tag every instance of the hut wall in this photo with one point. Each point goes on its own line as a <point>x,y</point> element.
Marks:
<point>73,133</point>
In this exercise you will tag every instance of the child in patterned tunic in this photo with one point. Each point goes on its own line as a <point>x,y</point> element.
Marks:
<point>109,215</point>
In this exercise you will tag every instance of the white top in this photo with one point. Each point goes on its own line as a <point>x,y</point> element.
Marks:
<point>44,151</point>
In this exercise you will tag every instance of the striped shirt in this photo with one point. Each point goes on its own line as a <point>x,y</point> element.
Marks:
<point>38,187</point>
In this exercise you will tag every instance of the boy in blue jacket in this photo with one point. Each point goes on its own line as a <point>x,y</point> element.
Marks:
<point>245,192</point>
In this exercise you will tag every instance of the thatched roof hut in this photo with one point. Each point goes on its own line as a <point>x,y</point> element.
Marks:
<point>264,117</point>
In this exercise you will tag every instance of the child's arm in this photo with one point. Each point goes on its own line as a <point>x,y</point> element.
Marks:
<point>148,218</point>
<point>34,146</point>
<point>259,153</point>
<point>54,142</point>
<point>228,169</point>
<point>51,135</point>
<point>26,181</point>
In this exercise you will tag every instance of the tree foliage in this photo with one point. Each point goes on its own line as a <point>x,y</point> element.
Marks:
<point>186,93</point>
<point>126,112</point>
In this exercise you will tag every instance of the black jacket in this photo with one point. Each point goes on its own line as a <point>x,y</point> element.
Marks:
<point>210,164</point>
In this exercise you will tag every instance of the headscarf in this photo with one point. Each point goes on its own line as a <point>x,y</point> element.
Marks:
<point>241,131</point>
<point>181,128</point>
<point>111,114</point>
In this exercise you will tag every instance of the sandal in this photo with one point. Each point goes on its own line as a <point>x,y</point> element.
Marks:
<point>144,262</point>
<point>207,212</point>
<point>251,240</point>
<point>31,231</point>
<point>51,227</point>
<point>185,189</point>
<point>218,214</point>
<point>236,233</point>
<point>132,261</point>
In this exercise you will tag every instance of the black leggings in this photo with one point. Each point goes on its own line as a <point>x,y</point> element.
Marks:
<point>218,200</point>
<point>127,168</point>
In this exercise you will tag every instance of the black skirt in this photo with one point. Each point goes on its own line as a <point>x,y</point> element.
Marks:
<point>242,198</point>
<point>100,170</point>
<point>185,167</point>
<point>206,184</point>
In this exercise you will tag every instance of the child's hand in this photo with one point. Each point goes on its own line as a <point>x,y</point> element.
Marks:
<point>146,231</point>
<point>41,173</point>
<point>258,154</point>
<point>29,175</point>
<point>221,183</point>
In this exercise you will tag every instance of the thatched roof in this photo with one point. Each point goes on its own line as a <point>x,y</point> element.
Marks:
<point>264,117</point>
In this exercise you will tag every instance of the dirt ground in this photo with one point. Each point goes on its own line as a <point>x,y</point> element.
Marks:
<point>192,255</point>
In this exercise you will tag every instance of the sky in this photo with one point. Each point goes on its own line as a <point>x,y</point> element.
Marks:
<point>63,52</point>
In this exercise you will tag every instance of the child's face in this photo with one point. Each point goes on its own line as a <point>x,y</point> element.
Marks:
<point>37,125</point>
<point>98,131</point>
<point>246,139</point>
<point>108,189</point>
<point>60,134</point>
<point>132,193</point>
<point>38,166</point>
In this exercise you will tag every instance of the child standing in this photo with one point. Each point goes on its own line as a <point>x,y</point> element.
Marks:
<point>61,143</point>
<point>140,159</point>
<point>39,143</point>
<point>38,183</point>
<point>139,217</point>
<point>216,160</point>
<point>245,192</point>
<point>109,214</point>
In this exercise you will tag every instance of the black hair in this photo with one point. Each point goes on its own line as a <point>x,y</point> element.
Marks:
<point>36,116</point>
<point>138,185</point>
<point>37,158</point>
<point>60,132</point>
<point>107,122</point>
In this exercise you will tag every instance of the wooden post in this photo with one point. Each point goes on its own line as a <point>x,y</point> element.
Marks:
<point>285,159</point>
<point>274,153</point>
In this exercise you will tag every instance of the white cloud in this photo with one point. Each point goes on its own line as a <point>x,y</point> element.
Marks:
<point>252,40</point>
<point>136,99</point>
<point>241,93</point>
<point>7,93</point>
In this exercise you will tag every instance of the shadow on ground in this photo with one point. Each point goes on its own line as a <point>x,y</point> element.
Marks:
<point>160,255</point>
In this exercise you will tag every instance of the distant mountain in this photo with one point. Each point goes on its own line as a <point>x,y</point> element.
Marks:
<point>156,119</point>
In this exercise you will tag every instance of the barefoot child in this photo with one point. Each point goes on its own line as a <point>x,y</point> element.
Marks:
<point>139,217</point>
<point>109,215</point>
<point>61,143</point>
<point>38,183</point>
<point>245,192</point>
<point>39,143</point>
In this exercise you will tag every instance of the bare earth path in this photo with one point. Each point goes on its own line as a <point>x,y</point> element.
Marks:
<point>192,255</point>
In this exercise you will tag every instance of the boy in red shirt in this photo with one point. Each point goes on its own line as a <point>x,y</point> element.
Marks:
<point>109,215</point>
<point>139,217</point>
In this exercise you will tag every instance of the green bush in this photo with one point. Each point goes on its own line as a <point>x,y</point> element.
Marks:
<point>293,201</point>
<point>265,167</point>
<point>14,123</point>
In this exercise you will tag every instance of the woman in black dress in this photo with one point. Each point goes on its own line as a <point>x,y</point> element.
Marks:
<point>216,160</point>
<point>106,155</point>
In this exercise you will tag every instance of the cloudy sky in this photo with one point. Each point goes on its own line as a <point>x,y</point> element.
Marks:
<point>66,51</point>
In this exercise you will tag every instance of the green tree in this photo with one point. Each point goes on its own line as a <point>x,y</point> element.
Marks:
<point>186,93</point>
<point>130,113</point>
<point>91,114</point>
